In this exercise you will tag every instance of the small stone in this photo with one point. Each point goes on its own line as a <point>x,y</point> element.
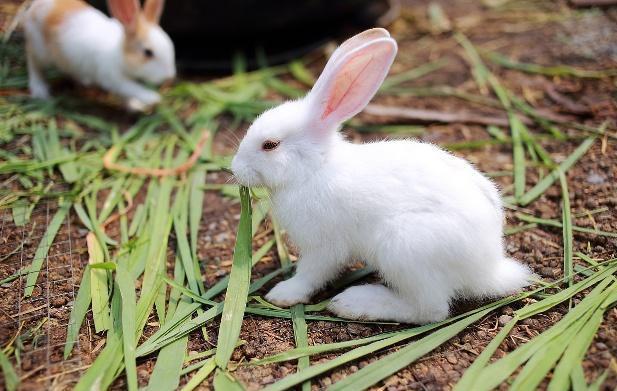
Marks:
<point>268,379</point>
<point>249,352</point>
<point>595,179</point>
<point>58,301</point>
<point>356,329</point>
<point>504,319</point>
<point>326,381</point>
<point>601,346</point>
<point>547,271</point>
<point>452,359</point>
<point>237,355</point>
<point>481,334</point>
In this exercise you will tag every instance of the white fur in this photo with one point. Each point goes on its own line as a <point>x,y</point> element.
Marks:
<point>89,48</point>
<point>427,221</point>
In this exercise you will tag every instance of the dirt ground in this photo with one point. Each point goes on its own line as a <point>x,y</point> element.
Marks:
<point>541,32</point>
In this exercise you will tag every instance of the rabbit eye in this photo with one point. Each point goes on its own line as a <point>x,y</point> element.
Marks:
<point>270,145</point>
<point>148,53</point>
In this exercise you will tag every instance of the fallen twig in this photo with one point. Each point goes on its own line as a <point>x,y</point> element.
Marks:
<point>438,116</point>
<point>108,162</point>
<point>567,103</point>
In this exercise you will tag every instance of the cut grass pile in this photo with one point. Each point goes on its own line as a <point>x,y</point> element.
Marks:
<point>62,161</point>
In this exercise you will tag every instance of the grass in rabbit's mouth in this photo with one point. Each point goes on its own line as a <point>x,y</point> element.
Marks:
<point>144,288</point>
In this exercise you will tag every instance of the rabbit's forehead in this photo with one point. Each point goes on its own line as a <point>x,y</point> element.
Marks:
<point>158,39</point>
<point>279,122</point>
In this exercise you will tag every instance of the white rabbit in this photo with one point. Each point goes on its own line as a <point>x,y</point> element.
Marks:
<point>427,221</point>
<point>114,54</point>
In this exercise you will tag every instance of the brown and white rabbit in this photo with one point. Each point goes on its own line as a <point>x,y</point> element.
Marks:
<point>113,53</point>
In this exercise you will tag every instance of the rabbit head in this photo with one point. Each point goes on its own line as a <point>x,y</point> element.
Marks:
<point>290,142</point>
<point>148,51</point>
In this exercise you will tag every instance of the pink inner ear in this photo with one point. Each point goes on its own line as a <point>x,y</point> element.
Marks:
<point>153,10</point>
<point>125,11</point>
<point>348,80</point>
<point>356,81</point>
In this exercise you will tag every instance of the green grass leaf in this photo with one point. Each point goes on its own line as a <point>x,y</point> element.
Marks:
<point>224,381</point>
<point>388,365</point>
<point>563,167</point>
<point>78,312</point>
<point>575,352</point>
<point>11,380</point>
<point>553,70</point>
<point>98,286</point>
<point>127,290</point>
<point>43,248</point>
<point>568,267</point>
<point>471,374</point>
<point>238,288</point>
<point>314,370</point>
<point>201,375</point>
<point>412,74</point>
<point>558,224</point>
<point>492,375</point>
<point>301,338</point>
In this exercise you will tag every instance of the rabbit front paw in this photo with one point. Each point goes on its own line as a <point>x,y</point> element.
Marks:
<point>39,90</point>
<point>150,98</point>
<point>289,292</point>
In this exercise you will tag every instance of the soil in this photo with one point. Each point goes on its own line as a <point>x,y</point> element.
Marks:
<point>544,32</point>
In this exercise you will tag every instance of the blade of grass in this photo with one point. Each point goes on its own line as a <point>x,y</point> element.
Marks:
<point>301,73</point>
<point>99,292</point>
<point>43,248</point>
<point>314,370</point>
<point>224,381</point>
<point>568,268</point>
<point>196,201</point>
<point>388,365</point>
<point>297,315</point>
<point>578,379</point>
<point>296,353</point>
<point>301,338</point>
<point>221,285</point>
<point>557,224</point>
<point>518,155</point>
<point>575,352</point>
<point>470,375</point>
<point>412,74</point>
<point>189,293</point>
<point>555,70</point>
<point>11,380</point>
<point>78,312</point>
<point>238,288</point>
<point>166,373</point>
<point>517,128</point>
<point>201,375</point>
<point>540,364</point>
<point>595,386</point>
<point>126,285</point>
<point>563,167</point>
<point>492,375</point>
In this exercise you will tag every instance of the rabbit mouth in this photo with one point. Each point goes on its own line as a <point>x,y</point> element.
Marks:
<point>247,177</point>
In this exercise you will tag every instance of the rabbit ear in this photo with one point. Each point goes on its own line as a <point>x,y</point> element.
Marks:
<point>153,10</point>
<point>127,12</point>
<point>348,87</point>
<point>351,44</point>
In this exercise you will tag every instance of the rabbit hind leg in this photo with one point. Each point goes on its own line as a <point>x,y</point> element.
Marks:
<point>378,302</point>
